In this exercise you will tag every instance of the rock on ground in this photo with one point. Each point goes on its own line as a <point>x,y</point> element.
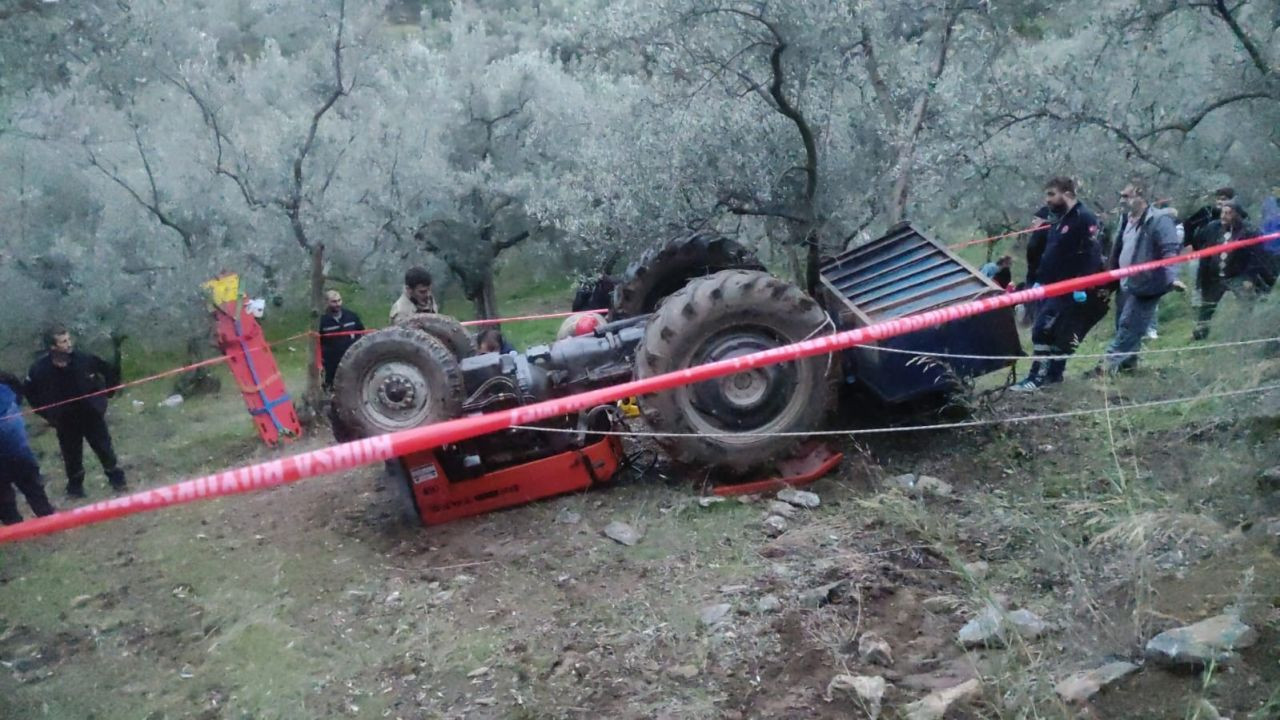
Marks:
<point>774,525</point>
<point>978,570</point>
<point>1082,686</point>
<point>713,614</point>
<point>934,706</point>
<point>768,604</point>
<point>1211,640</point>
<point>568,517</point>
<point>1270,479</point>
<point>622,533</point>
<point>777,507</point>
<point>921,485</point>
<point>993,625</point>
<point>874,650</point>
<point>799,498</point>
<point>868,689</point>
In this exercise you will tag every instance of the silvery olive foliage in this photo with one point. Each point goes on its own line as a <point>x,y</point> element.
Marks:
<point>150,145</point>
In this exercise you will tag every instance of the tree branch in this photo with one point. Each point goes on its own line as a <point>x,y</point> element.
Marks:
<point>152,207</point>
<point>1190,123</point>
<point>1221,10</point>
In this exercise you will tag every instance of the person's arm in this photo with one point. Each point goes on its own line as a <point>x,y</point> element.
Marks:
<point>359,325</point>
<point>1168,244</point>
<point>109,373</point>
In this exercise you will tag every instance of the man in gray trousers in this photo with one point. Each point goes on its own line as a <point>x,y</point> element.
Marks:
<point>1145,234</point>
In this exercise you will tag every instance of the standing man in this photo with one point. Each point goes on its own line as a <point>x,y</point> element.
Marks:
<point>338,328</point>
<point>18,466</point>
<point>1145,234</point>
<point>65,373</point>
<point>1071,250</point>
<point>417,296</point>
<point>1247,272</point>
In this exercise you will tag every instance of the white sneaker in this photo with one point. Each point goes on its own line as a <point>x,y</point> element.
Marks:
<point>1152,335</point>
<point>1026,386</point>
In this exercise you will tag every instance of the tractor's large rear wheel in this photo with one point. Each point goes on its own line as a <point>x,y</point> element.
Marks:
<point>665,269</point>
<point>749,420</point>
<point>395,379</point>
<point>445,329</point>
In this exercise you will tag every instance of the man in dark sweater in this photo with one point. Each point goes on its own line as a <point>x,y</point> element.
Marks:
<point>1071,250</point>
<point>338,328</point>
<point>53,381</point>
<point>1247,272</point>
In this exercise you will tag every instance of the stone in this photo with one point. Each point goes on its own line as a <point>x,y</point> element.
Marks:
<point>621,532</point>
<point>1211,640</point>
<point>706,502</point>
<point>934,706</point>
<point>874,650</point>
<point>949,674</point>
<point>933,487</point>
<point>775,525</point>
<point>799,498</point>
<point>993,625</point>
<point>777,507</point>
<point>568,517</point>
<point>80,601</point>
<point>768,604</point>
<point>712,615</point>
<point>978,570</point>
<point>905,482</point>
<point>1082,686</point>
<point>478,672</point>
<point>687,672</point>
<point>868,689</point>
<point>1206,711</point>
<point>1269,479</point>
<point>819,596</point>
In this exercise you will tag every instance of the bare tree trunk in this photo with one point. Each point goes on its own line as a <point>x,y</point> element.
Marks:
<point>313,397</point>
<point>485,297</point>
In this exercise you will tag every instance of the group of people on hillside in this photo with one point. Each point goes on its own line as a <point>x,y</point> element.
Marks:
<point>1070,242</point>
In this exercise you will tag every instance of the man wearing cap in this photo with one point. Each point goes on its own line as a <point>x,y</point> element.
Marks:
<point>1247,271</point>
<point>339,328</point>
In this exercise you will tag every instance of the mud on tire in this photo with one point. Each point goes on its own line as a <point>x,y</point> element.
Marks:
<point>726,315</point>
<point>445,329</point>
<point>667,268</point>
<point>395,379</point>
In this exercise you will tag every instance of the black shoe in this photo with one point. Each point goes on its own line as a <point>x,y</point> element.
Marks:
<point>75,491</point>
<point>119,485</point>
<point>1097,372</point>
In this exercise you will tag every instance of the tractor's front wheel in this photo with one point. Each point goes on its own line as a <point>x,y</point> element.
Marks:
<point>397,378</point>
<point>749,420</point>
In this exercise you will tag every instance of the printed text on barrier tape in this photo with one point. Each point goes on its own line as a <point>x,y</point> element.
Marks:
<point>346,456</point>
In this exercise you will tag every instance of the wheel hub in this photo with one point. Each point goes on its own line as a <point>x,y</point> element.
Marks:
<point>744,401</point>
<point>398,394</point>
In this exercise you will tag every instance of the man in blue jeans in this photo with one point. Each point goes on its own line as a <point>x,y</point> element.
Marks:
<point>1071,250</point>
<point>18,465</point>
<point>1145,234</point>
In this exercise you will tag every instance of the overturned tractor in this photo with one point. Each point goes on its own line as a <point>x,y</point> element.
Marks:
<point>692,301</point>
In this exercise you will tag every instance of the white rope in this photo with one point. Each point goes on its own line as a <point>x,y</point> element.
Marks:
<point>1152,351</point>
<point>918,428</point>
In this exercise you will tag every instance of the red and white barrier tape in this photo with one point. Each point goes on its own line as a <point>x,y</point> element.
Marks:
<point>347,456</point>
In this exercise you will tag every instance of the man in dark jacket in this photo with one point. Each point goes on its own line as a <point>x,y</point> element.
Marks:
<point>1145,234</point>
<point>18,466</point>
<point>1247,272</point>
<point>338,328</point>
<point>1071,250</point>
<point>65,373</point>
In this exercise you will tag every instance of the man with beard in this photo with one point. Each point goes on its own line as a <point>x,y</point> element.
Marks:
<point>1071,250</point>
